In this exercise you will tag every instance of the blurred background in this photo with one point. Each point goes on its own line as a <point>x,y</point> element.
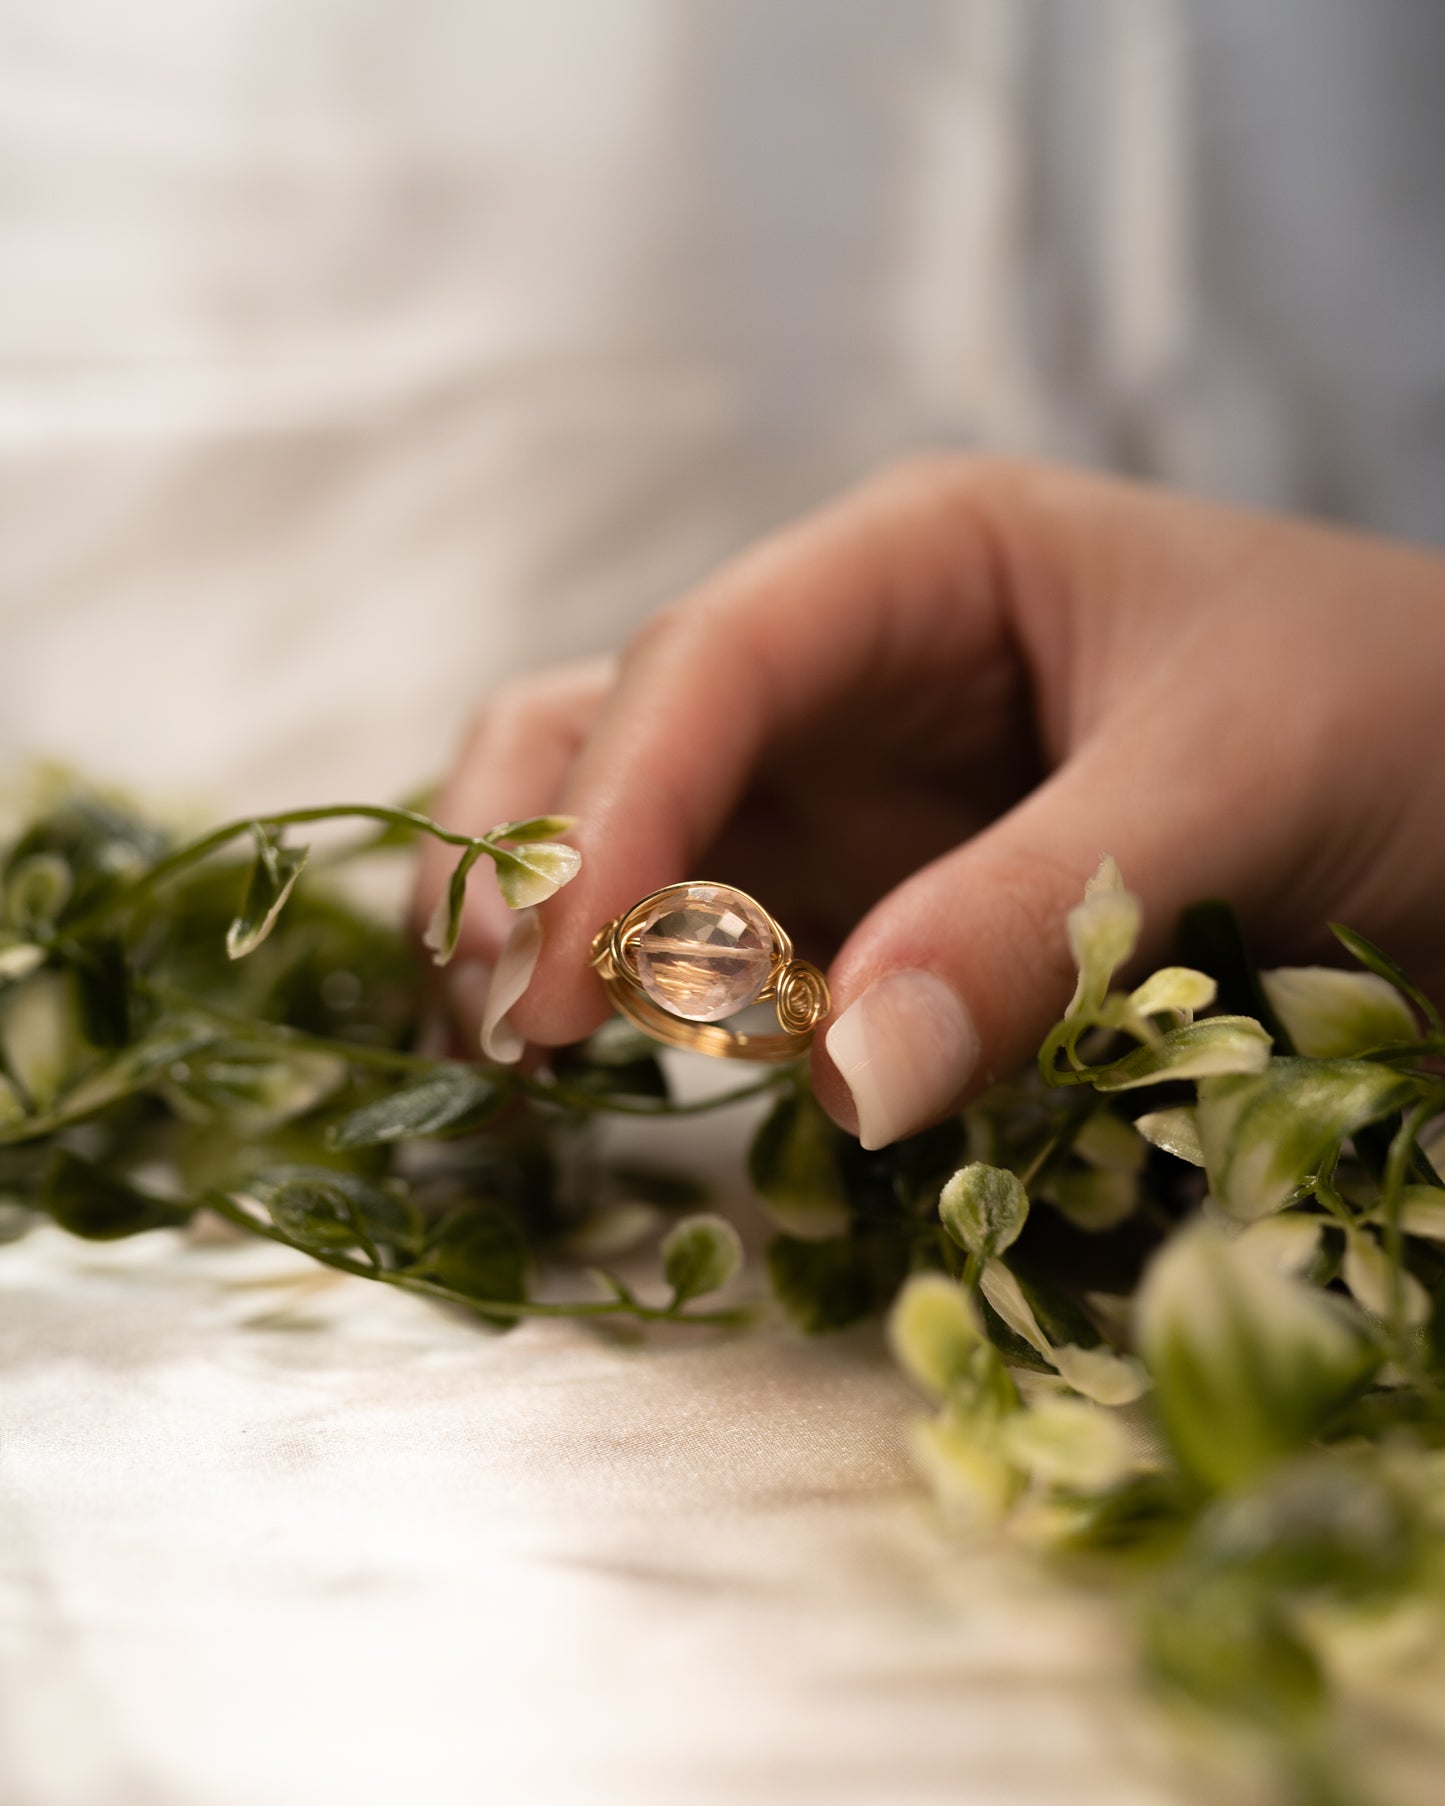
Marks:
<point>354,355</point>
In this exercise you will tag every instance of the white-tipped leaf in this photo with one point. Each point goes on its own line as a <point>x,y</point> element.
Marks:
<point>1175,1130</point>
<point>1102,931</point>
<point>1100,1374</point>
<point>1219,1045</point>
<point>529,875</point>
<point>1262,1135</point>
<point>1175,988</point>
<point>1006,1296</point>
<point>965,1464</point>
<point>1286,1243</point>
<point>1330,1014</point>
<point>1369,1273</point>
<point>1066,1442</point>
<point>983,1208</point>
<point>934,1331</point>
<point>1246,1362</point>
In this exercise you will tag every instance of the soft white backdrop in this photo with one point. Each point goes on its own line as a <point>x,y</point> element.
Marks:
<point>355,354</point>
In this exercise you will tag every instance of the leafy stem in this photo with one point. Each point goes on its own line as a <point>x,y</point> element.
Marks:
<point>194,852</point>
<point>624,1305</point>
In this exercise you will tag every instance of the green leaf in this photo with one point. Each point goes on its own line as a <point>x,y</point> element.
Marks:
<point>1332,1014</point>
<point>42,1042</point>
<point>1286,1243</point>
<point>983,1209</point>
<point>88,1200</point>
<point>1173,988</point>
<point>102,976</point>
<point>1100,1374</point>
<point>1370,1275</point>
<point>448,1097</point>
<point>1347,1529</point>
<point>827,1285</point>
<point>327,1208</point>
<point>251,1088</point>
<point>535,827</point>
<point>18,957</point>
<point>1176,1130</point>
<point>445,928</point>
<point>168,1044</point>
<point>479,1253</point>
<point>793,1165</point>
<point>1110,1143</point>
<point>1422,1212</point>
<point>272,878</point>
<point>1226,1646</point>
<point>965,1464</point>
<point>934,1331</point>
<point>1070,1443</point>
<point>1263,1135</point>
<point>616,1062</point>
<point>700,1254</point>
<point>1102,931</point>
<point>529,877</point>
<point>1093,1199</point>
<point>1379,962</point>
<point>37,890</point>
<point>1220,1044</point>
<point>314,1212</point>
<point>1247,1364</point>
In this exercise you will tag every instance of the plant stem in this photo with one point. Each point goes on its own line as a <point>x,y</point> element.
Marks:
<point>401,1061</point>
<point>484,1307</point>
<point>192,852</point>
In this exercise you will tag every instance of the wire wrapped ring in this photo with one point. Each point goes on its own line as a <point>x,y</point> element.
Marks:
<point>691,954</point>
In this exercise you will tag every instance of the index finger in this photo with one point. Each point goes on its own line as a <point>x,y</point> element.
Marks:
<point>898,579</point>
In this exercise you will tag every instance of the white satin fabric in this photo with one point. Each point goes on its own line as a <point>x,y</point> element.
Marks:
<point>353,356</point>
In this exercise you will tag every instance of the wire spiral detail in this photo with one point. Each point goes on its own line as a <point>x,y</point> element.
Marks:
<point>802,998</point>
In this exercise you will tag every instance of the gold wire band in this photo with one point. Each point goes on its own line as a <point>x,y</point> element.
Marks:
<point>797,990</point>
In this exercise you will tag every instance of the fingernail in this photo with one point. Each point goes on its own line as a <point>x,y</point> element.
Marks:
<point>515,965</point>
<point>905,1048</point>
<point>467,984</point>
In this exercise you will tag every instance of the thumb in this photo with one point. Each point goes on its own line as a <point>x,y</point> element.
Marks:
<point>954,979</point>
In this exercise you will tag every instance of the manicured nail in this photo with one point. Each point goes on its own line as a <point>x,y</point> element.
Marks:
<point>906,1048</point>
<point>515,965</point>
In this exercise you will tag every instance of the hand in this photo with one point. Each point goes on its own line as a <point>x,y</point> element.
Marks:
<point>911,726</point>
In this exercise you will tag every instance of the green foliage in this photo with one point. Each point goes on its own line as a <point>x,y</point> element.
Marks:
<point>269,883</point>
<point>257,1059</point>
<point>91,1201</point>
<point>794,1167</point>
<point>828,1284</point>
<point>699,1255</point>
<point>450,1097</point>
<point>1247,1363</point>
<point>984,1208</point>
<point>1176,1299</point>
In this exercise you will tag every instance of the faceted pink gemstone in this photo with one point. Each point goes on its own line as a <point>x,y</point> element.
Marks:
<point>705,953</point>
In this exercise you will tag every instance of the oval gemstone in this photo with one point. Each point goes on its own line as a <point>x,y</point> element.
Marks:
<point>704,953</point>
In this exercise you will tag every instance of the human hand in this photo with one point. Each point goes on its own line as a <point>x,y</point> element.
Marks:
<point>912,724</point>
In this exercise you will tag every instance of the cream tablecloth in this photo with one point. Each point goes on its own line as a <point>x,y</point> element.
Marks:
<point>264,1539</point>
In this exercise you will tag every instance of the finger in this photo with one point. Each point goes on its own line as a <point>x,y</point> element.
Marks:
<point>839,615</point>
<point>956,977</point>
<point>514,763</point>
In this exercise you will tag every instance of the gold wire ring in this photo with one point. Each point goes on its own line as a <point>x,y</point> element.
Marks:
<point>690,954</point>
